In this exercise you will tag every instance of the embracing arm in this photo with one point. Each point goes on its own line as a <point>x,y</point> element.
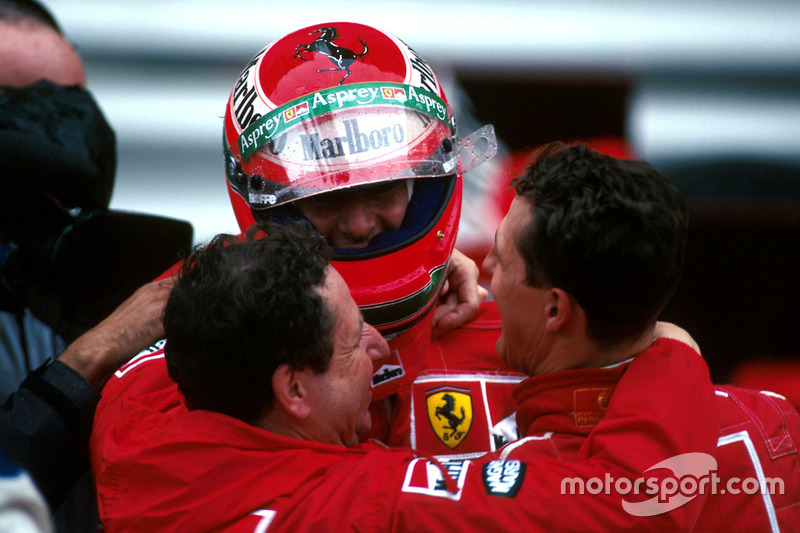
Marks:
<point>45,425</point>
<point>662,409</point>
<point>461,295</point>
<point>668,330</point>
<point>132,327</point>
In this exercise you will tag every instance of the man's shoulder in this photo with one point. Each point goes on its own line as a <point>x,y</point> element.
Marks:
<point>758,444</point>
<point>471,346</point>
<point>144,373</point>
<point>483,328</point>
<point>487,318</point>
<point>252,469</point>
<point>140,378</point>
<point>771,415</point>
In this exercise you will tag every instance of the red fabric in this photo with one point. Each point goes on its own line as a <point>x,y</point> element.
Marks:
<point>159,467</point>
<point>563,408</point>
<point>463,364</point>
<point>759,436</point>
<point>781,376</point>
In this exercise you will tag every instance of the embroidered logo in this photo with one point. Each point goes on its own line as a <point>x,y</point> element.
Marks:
<point>503,478</point>
<point>590,405</point>
<point>426,477</point>
<point>391,368</point>
<point>450,414</point>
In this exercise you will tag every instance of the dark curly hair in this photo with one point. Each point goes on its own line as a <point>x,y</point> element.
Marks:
<point>243,307</point>
<point>610,232</point>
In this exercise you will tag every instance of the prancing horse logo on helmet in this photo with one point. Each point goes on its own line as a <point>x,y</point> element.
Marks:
<point>339,56</point>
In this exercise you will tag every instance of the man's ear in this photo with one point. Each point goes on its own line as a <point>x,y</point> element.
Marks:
<point>290,390</point>
<point>559,308</point>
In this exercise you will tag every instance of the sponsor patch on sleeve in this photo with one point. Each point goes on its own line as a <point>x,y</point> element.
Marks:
<point>425,477</point>
<point>391,368</point>
<point>156,351</point>
<point>503,478</point>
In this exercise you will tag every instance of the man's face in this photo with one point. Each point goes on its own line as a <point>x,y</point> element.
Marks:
<point>520,306</point>
<point>349,219</point>
<point>31,51</point>
<point>341,396</point>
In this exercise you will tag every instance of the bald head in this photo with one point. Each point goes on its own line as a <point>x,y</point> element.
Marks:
<point>31,50</point>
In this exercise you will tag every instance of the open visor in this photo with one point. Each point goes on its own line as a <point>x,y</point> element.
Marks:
<point>350,136</point>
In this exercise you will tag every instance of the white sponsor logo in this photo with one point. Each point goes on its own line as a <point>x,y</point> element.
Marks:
<point>503,478</point>
<point>426,477</point>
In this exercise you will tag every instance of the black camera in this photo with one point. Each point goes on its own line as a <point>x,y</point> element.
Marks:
<point>63,253</point>
<point>77,266</point>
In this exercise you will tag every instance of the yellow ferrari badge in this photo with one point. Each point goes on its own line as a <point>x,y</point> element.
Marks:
<point>450,414</point>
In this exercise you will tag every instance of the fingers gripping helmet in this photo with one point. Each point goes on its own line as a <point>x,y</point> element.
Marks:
<point>342,105</point>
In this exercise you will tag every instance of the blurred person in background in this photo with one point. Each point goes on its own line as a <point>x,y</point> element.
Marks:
<point>33,48</point>
<point>66,261</point>
<point>22,509</point>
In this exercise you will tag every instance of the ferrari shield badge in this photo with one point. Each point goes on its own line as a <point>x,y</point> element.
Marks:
<point>450,414</point>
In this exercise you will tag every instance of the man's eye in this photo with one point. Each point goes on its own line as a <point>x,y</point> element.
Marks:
<point>322,200</point>
<point>369,192</point>
<point>384,190</point>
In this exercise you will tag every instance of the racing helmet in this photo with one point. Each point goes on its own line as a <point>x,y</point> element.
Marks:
<point>336,106</point>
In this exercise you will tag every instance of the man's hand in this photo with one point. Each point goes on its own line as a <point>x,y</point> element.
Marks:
<point>132,327</point>
<point>671,331</point>
<point>461,295</point>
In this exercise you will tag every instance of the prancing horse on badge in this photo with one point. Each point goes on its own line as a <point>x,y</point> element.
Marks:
<point>446,411</point>
<point>339,56</point>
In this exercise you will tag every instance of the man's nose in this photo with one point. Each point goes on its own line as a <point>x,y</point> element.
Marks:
<point>489,263</point>
<point>374,344</point>
<point>358,221</point>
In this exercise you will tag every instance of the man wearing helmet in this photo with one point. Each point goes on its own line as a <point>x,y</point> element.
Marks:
<point>348,127</point>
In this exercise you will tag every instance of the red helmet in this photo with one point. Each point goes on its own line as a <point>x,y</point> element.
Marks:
<point>340,105</point>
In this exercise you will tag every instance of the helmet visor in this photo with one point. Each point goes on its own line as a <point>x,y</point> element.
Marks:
<point>345,137</point>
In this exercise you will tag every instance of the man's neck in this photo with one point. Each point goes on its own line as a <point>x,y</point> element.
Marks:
<point>624,351</point>
<point>580,352</point>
